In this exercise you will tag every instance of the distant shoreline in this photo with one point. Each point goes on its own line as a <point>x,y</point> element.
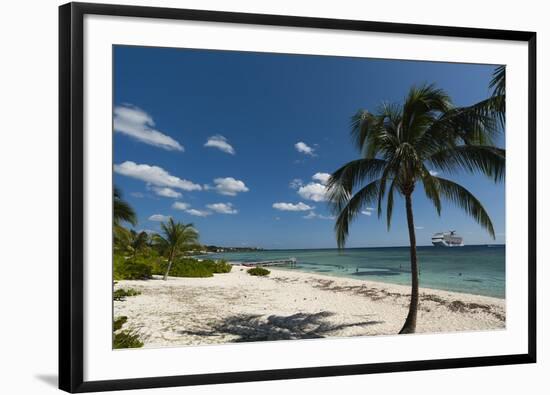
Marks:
<point>358,248</point>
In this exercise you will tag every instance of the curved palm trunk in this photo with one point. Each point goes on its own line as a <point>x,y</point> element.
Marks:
<point>410,322</point>
<point>170,260</point>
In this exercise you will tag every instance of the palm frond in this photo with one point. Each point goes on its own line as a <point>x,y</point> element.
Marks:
<point>498,82</point>
<point>389,205</point>
<point>122,211</point>
<point>490,161</point>
<point>363,126</point>
<point>365,196</point>
<point>461,197</point>
<point>343,181</point>
<point>390,171</point>
<point>431,188</point>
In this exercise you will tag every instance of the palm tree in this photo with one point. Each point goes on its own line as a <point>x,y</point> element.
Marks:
<point>139,242</point>
<point>130,241</point>
<point>122,211</point>
<point>176,237</point>
<point>401,146</point>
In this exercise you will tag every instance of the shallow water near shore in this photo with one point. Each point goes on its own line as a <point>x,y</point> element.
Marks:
<point>478,270</point>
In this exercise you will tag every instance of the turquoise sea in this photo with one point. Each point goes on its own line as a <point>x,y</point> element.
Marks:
<point>471,269</point>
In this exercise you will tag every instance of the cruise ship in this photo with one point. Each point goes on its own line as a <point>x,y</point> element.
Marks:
<point>447,239</point>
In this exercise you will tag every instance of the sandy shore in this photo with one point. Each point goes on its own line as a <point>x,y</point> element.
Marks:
<point>236,307</point>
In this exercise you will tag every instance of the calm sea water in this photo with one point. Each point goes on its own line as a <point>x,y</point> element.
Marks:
<point>471,269</point>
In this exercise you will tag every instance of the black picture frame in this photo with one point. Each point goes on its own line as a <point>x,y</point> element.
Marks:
<point>71,223</point>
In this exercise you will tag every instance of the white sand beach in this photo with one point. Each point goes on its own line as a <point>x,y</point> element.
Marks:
<point>236,307</point>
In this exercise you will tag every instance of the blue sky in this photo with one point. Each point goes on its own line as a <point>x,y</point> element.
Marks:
<point>237,143</point>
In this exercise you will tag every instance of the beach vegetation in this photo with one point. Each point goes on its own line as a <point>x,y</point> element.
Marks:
<point>220,266</point>
<point>258,271</point>
<point>184,267</point>
<point>118,322</point>
<point>125,268</point>
<point>121,294</point>
<point>175,238</point>
<point>191,267</point>
<point>132,243</point>
<point>138,255</point>
<point>419,142</point>
<point>126,339</point>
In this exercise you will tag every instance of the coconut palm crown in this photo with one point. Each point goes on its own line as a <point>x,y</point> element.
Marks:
<point>131,242</point>
<point>175,239</point>
<point>402,146</point>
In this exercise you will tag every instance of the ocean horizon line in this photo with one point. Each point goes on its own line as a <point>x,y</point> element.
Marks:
<point>359,248</point>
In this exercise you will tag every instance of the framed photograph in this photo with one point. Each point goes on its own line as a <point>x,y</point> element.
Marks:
<point>251,197</point>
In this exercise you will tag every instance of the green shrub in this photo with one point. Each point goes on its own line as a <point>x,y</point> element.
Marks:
<point>185,267</point>
<point>143,267</point>
<point>126,339</point>
<point>217,266</point>
<point>121,293</point>
<point>119,321</point>
<point>131,269</point>
<point>190,267</point>
<point>258,271</point>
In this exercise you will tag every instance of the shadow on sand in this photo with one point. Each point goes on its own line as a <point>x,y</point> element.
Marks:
<point>274,327</point>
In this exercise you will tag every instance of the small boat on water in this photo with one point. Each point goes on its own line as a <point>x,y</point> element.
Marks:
<point>447,239</point>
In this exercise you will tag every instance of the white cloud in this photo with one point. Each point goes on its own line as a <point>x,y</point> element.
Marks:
<point>433,173</point>
<point>313,215</point>
<point>220,143</point>
<point>296,183</point>
<point>222,208</point>
<point>229,186</point>
<point>166,192</point>
<point>191,211</point>
<point>159,217</point>
<point>198,213</point>
<point>135,122</point>
<point>313,191</point>
<point>321,177</point>
<point>292,207</point>
<point>138,195</point>
<point>155,175</point>
<point>180,206</point>
<point>304,148</point>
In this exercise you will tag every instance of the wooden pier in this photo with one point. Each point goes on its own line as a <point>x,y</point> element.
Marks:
<point>275,262</point>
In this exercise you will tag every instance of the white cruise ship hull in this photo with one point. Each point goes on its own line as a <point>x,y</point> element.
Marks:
<point>443,243</point>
